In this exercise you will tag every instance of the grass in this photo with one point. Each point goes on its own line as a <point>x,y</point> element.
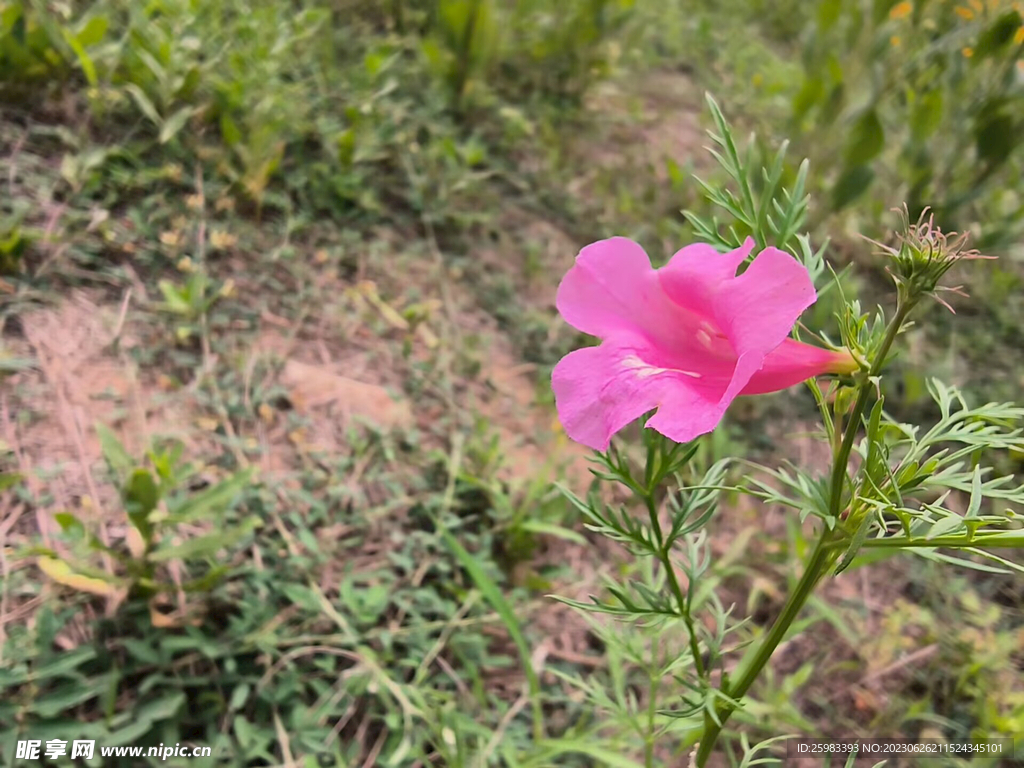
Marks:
<point>319,245</point>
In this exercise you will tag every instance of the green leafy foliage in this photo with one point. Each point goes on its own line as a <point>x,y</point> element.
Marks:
<point>143,493</point>
<point>375,602</point>
<point>764,209</point>
<point>919,101</point>
<point>191,301</point>
<point>899,495</point>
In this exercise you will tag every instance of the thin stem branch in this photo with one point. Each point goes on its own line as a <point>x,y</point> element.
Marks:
<point>815,569</point>
<point>950,542</point>
<point>822,557</point>
<point>665,558</point>
<point>652,711</point>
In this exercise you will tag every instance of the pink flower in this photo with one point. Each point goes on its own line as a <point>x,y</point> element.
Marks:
<point>686,339</point>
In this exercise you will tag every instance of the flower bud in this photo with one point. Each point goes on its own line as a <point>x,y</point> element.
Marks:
<point>923,254</point>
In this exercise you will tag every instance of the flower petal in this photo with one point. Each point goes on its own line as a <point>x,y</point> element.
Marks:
<point>757,310</point>
<point>694,276</point>
<point>685,340</point>
<point>599,390</point>
<point>611,289</point>
<point>754,311</point>
<point>792,362</point>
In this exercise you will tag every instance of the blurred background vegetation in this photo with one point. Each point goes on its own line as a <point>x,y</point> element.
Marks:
<point>277,283</point>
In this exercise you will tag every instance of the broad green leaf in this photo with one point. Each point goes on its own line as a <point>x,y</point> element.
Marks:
<point>867,139</point>
<point>174,297</point>
<point>84,60</point>
<point>68,522</point>
<point>203,546</point>
<point>173,124</point>
<point>141,495</point>
<point>62,573</point>
<point>130,733</point>
<point>163,708</point>
<point>245,732</point>
<point>229,131</point>
<point>93,30</point>
<point>142,491</point>
<point>143,103</point>
<point>113,451</point>
<point>213,499</point>
<point>852,184</point>
<point>926,114</point>
<point>998,35</point>
<point>63,699</point>
<point>828,13</point>
<point>302,596</point>
<point>995,137</point>
<point>64,665</point>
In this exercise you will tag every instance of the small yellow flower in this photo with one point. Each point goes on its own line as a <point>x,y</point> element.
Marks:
<point>894,41</point>
<point>185,264</point>
<point>967,51</point>
<point>195,202</point>
<point>901,10</point>
<point>964,13</point>
<point>221,240</point>
<point>1018,38</point>
<point>170,238</point>
<point>266,413</point>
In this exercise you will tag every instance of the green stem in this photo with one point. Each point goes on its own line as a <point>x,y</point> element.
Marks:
<point>842,457</point>
<point>822,557</point>
<point>465,56</point>
<point>665,558</point>
<point>684,609</point>
<point>652,711</point>
<point>950,542</point>
<point>816,567</point>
